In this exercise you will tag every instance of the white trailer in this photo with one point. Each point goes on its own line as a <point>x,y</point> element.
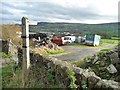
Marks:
<point>92,39</point>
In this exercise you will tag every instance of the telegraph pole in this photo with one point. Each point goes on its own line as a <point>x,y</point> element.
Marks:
<point>25,48</point>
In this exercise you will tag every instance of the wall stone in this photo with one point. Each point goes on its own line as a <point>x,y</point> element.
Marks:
<point>103,64</point>
<point>50,71</point>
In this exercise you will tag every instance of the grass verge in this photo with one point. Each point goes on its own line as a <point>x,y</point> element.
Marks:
<point>11,78</point>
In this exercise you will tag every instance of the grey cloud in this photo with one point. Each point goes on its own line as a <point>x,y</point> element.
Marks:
<point>42,11</point>
<point>52,10</point>
<point>19,6</point>
<point>5,11</point>
<point>10,17</point>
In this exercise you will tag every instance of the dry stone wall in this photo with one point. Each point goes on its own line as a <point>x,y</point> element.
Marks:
<point>50,71</point>
<point>5,46</point>
<point>106,64</point>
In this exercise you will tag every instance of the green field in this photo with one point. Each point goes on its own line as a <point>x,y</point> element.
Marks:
<point>111,41</point>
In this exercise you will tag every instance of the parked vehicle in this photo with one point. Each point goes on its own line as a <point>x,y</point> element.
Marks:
<point>92,39</point>
<point>80,39</point>
<point>69,39</point>
<point>58,40</point>
<point>38,35</point>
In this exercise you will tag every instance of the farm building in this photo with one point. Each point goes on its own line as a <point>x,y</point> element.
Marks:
<point>92,39</point>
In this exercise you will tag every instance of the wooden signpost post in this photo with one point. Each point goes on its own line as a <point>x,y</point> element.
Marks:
<point>25,48</point>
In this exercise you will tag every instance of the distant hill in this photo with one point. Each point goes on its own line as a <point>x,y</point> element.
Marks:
<point>78,28</point>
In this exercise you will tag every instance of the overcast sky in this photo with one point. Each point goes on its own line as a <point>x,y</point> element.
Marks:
<point>74,11</point>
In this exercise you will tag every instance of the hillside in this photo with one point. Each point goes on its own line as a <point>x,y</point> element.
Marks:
<point>9,32</point>
<point>106,28</point>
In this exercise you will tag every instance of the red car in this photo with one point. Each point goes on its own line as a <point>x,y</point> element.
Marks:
<point>58,40</point>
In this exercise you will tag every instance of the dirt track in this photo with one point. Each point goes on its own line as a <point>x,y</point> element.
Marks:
<point>79,52</point>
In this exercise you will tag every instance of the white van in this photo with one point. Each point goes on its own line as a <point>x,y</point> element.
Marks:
<point>69,39</point>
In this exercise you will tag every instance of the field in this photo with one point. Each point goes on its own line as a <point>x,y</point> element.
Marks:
<point>112,41</point>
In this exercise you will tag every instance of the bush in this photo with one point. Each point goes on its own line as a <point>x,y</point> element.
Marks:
<point>72,78</point>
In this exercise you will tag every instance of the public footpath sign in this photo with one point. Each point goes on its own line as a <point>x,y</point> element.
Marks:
<point>25,48</point>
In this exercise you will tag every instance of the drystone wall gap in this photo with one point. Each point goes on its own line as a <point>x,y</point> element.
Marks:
<point>51,72</point>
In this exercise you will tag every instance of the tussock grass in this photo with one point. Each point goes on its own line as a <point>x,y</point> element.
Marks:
<point>48,51</point>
